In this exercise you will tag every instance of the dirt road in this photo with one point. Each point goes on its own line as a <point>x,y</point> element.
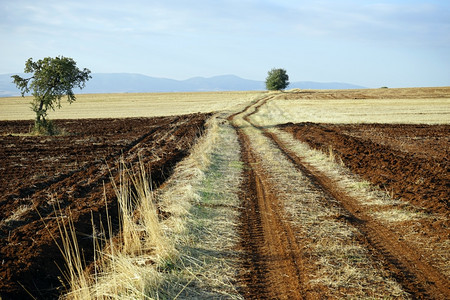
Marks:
<point>273,259</point>
<point>280,258</point>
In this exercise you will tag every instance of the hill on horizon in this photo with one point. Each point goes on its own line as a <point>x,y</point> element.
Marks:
<point>138,83</point>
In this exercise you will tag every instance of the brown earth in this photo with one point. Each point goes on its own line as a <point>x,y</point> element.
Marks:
<point>410,266</point>
<point>376,153</point>
<point>72,172</point>
<point>409,161</point>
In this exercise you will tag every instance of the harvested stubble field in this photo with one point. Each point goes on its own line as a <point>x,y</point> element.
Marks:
<point>129,105</point>
<point>307,195</point>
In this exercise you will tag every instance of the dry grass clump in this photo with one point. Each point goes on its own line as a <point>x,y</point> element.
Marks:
<point>399,215</point>
<point>16,215</point>
<point>126,266</point>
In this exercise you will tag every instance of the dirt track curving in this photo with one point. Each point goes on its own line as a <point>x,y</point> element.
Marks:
<point>73,172</point>
<point>276,262</point>
<point>273,262</point>
<point>272,265</point>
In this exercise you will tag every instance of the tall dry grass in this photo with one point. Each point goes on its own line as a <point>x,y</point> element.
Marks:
<point>121,269</point>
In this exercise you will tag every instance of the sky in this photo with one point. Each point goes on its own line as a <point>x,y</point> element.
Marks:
<point>373,43</point>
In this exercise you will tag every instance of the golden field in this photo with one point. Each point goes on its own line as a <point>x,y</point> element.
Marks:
<point>129,105</point>
<point>408,105</point>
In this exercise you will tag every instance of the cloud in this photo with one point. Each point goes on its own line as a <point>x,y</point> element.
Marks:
<point>180,38</point>
<point>412,23</point>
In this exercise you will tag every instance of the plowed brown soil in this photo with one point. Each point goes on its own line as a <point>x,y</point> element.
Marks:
<point>409,161</point>
<point>415,178</point>
<point>407,264</point>
<point>72,172</point>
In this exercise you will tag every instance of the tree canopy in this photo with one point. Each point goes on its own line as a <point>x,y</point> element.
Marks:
<point>277,79</point>
<point>52,79</point>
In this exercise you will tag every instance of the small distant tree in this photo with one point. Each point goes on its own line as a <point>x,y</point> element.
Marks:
<point>52,79</point>
<point>277,79</point>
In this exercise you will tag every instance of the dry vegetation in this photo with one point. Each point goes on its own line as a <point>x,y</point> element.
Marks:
<point>185,240</point>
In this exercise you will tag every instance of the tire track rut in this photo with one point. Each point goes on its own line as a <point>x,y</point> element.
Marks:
<point>273,255</point>
<point>273,259</point>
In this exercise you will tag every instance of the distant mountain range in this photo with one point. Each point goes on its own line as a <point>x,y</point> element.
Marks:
<point>138,83</point>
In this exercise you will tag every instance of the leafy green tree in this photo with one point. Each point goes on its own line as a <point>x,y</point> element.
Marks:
<point>277,79</point>
<point>52,79</point>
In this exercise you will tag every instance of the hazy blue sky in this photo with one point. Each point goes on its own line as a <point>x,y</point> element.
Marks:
<point>395,43</point>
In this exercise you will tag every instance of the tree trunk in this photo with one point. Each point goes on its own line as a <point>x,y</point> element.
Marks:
<point>40,122</point>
